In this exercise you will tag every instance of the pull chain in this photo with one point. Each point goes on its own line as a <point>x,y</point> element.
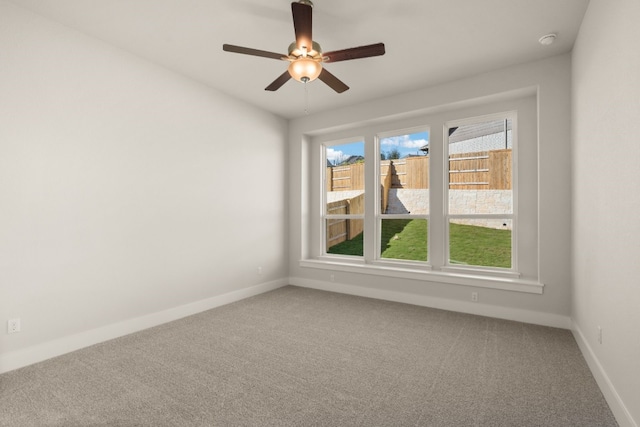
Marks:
<point>306,99</point>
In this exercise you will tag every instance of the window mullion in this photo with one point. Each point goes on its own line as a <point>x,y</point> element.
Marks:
<point>437,195</point>
<point>370,176</point>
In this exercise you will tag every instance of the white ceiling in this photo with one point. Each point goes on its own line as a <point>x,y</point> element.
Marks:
<point>427,41</point>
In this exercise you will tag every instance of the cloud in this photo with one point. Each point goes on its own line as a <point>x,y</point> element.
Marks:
<point>403,141</point>
<point>333,155</point>
<point>392,141</point>
<point>417,143</point>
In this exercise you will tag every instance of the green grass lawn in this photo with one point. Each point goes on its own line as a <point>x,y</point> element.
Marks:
<point>406,239</point>
<point>348,247</point>
<point>482,246</point>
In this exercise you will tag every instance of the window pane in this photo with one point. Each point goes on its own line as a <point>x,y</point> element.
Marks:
<point>480,168</point>
<point>345,236</point>
<point>404,174</point>
<point>404,239</point>
<point>345,179</point>
<point>480,242</point>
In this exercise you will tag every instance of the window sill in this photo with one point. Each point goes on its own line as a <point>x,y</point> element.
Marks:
<point>428,275</point>
<point>479,271</point>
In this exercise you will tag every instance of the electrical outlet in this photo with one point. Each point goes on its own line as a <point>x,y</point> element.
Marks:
<point>332,277</point>
<point>259,270</point>
<point>599,335</point>
<point>13,326</point>
<point>474,296</point>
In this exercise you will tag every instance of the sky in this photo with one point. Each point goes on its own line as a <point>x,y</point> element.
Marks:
<point>405,144</point>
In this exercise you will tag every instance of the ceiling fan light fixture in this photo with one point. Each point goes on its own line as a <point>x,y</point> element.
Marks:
<point>305,69</point>
<point>305,55</point>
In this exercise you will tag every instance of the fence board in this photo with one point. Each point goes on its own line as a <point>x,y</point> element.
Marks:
<point>344,178</point>
<point>355,226</point>
<point>398,169</point>
<point>385,177</point>
<point>468,171</point>
<point>417,172</point>
<point>484,170</point>
<point>357,176</point>
<point>339,230</point>
<point>500,169</point>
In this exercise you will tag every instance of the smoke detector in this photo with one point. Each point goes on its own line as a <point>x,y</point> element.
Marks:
<point>548,39</point>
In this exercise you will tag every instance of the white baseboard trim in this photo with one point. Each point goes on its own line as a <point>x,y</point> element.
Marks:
<point>38,353</point>
<point>620,411</point>
<point>519,315</point>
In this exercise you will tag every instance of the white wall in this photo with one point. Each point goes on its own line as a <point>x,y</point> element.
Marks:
<point>606,199</point>
<point>550,80</point>
<point>125,190</point>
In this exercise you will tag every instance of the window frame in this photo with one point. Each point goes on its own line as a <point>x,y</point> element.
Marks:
<point>324,215</point>
<point>527,281</point>
<point>513,216</point>
<point>379,215</point>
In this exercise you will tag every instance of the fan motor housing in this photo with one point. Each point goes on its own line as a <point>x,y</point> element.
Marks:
<point>315,52</point>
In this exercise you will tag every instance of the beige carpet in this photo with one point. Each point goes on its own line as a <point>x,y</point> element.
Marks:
<point>300,357</point>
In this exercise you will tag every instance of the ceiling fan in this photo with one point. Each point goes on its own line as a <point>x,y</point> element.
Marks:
<point>306,56</point>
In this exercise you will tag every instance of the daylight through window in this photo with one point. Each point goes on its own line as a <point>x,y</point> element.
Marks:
<point>480,193</point>
<point>403,221</point>
<point>344,199</point>
<point>437,199</point>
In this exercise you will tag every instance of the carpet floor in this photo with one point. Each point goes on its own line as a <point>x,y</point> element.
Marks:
<point>302,357</point>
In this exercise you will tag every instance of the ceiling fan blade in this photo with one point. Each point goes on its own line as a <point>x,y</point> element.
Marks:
<point>354,53</point>
<point>277,83</point>
<point>332,81</point>
<point>302,23</point>
<point>253,52</point>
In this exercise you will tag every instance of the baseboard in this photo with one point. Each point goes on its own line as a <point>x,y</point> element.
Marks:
<point>623,416</point>
<point>519,315</point>
<point>38,353</point>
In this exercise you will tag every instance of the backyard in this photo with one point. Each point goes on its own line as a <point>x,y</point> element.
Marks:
<point>406,239</point>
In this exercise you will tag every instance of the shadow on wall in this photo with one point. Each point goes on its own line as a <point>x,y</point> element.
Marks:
<point>391,204</point>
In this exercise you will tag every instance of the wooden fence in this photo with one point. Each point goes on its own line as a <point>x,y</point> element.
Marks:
<point>339,230</point>
<point>484,170</point>
<point>410,172</point>
<point>344,178</point>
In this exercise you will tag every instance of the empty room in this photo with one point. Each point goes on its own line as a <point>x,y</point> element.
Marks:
<point>331,213</point>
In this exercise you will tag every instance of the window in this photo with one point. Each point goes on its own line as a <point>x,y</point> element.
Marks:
<point>447,198</point>
<point>479,208</point>
<point>403,219</point>
<point>344,199</point>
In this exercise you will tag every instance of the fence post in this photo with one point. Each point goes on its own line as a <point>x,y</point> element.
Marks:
<point>500,169</point>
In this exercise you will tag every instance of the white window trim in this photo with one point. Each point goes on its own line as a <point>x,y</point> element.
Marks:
<point>420,271</point>
<point>379,215</point>
<point>513,216</point>
<point>324,216</point>
<point>468,278</point>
